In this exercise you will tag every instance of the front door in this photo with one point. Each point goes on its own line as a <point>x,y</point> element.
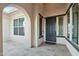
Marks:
<point>51,29</point>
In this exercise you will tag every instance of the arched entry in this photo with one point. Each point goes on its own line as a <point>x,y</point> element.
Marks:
<point>18,37</point>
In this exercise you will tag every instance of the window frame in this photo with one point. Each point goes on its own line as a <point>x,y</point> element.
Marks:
<point>60,24</point>
<point>40,25</point>
<point>18,26</point>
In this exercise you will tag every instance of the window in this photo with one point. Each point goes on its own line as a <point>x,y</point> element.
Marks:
<point>75,24</point>
<point>60,25</point>
<point>18,26</point>
<point>68,22</point>
<point>40,25</point>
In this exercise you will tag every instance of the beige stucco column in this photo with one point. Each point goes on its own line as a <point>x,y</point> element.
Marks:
<point>71,27</point>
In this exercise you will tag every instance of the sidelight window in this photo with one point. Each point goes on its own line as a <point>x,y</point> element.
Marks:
<point>60,25</point>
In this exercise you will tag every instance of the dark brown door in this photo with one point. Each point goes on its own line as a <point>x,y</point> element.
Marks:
<point>51,29</point>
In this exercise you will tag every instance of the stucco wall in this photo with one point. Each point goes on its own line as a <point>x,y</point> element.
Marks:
<point>6,27</point>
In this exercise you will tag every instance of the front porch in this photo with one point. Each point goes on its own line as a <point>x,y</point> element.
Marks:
<point>18,49</point>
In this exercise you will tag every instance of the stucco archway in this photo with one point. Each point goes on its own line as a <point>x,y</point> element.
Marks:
<point>27,26</point>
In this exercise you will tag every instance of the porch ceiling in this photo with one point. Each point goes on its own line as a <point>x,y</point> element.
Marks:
<point>52,9</point>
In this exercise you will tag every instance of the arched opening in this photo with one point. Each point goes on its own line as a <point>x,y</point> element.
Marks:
<point>16,30</point>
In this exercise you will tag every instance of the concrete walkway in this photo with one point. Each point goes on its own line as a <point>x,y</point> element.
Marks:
<point>12,48</point>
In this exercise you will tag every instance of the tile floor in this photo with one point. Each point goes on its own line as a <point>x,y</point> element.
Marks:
<point>12,48</point>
